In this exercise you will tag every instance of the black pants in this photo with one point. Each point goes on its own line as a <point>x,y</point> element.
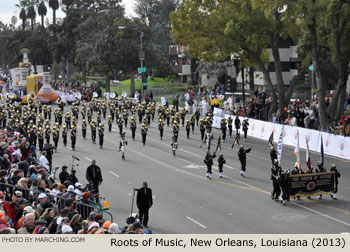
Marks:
<point>230,131</point>
<point>143,215</point>
<point>133,133</point>
<point>144,138</point>
<point>140,118</point>
<point>192,127</point>
<point>109,127</point>
<point>188,133</point>
<point>237,132</point>
<point>209,167</point>
<point>60,120</point>
<point>84,133</point>
<point>68,124</point>
<point>183,121</point>
<point>89,119</point>
<point>202,134</point>
<point>221,166</point>
<point>168,121</point>
<point>96,185</point>
<point>4,124</point>
<point>243,164</point>
<point>276,189</point>
<point>55,140</point>
<point>100,137</point>
<point>148,120</point>
<point>41,144</point>
<point>245,133</point>
<point>93,136</point>
<point>104,114</point>
<point>223,134</point>
<point>47,139</point>
<point>126,122</point>
<point>73,139</point>
<point>161,133</point>
<point>64,140</point>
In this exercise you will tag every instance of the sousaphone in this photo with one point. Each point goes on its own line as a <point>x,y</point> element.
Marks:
<point>112,95</point>
<point>94,94</point>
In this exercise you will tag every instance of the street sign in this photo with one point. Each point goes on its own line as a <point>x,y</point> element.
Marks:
<point>141,69</point>
<point>142,55</point>
<point>311,68</point>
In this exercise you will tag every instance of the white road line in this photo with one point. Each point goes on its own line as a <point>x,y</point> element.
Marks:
<point>88,159</point>
<point>196,222</point>
<point>69,148</point>
<point>114,174</point>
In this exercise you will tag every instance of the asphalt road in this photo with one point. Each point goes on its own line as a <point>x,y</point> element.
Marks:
<point>186,202</point>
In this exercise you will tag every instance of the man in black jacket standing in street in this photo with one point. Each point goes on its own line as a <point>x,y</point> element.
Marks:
<point>144,202</point>
<point>94,175</point>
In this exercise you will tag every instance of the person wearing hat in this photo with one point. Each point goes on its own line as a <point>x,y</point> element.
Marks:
<point>221,162</point>
<point>55,136</point>
<point>144,202</point>
<point>275,173</point>
<point>202,128</point>
<point>237,125</point>
<point>125,117</point>
<point>193,122</point>
<point>161,127</point>
<point>223,125</point>
<point>67,119</point>
<point>93,127</point>
<point>245,125</point>
<point>78,189</point>
<point>183,115</point>
<point>188,128</point>
<point>120,124</point>
<point>38,225</point>
<point>208,160</point>
<point>73,136</point>
<point>337,175</point>
<point>64,134</point>
<point>44,203</point>
<point>101,133</point>
<point>144,130</point>
<point>47,133</point>
<point>137,228</point>
<point>122,144</point>
<point>113,228</point>
<point>133,125</point>
<point>242,155</point>
<point>110,123</point>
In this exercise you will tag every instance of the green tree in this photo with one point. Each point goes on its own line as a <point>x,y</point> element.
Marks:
<point>23,5</point>
<point>54,5</point>
<point>42,10</point>
<point>327,23</point>
<point>31,14</point>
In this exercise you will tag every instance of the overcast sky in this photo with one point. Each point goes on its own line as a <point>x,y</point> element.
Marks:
<point>8,9</point>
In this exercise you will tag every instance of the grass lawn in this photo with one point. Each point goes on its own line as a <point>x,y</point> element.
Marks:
<point>126,83</point>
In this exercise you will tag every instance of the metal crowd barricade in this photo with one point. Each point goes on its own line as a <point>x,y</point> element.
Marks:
<point>32,197</point>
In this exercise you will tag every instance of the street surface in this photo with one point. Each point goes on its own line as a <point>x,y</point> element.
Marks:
<point>186,202</point>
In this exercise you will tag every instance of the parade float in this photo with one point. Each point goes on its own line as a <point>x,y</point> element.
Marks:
<point>36,85</point>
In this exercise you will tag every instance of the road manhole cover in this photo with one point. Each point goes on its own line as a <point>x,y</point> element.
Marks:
<point>288,217</point>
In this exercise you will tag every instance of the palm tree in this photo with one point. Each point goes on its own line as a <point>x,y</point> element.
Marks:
<point>54,5</point>
<point>67,3</point>
<point>23,5</point>
<point>32,15</point>
<point>42,10</point>
<point>14,22</point>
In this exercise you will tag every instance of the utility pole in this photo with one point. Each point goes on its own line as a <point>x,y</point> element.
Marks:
<point>141,59</point>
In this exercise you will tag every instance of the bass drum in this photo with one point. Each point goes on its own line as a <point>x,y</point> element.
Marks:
<point>112,95</point>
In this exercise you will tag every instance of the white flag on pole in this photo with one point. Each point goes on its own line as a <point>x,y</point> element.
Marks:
<point>280,147</point>
<point>296,149</point>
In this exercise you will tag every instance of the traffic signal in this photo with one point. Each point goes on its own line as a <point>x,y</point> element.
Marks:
<point>144,78</point>
<point>307,80</point>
